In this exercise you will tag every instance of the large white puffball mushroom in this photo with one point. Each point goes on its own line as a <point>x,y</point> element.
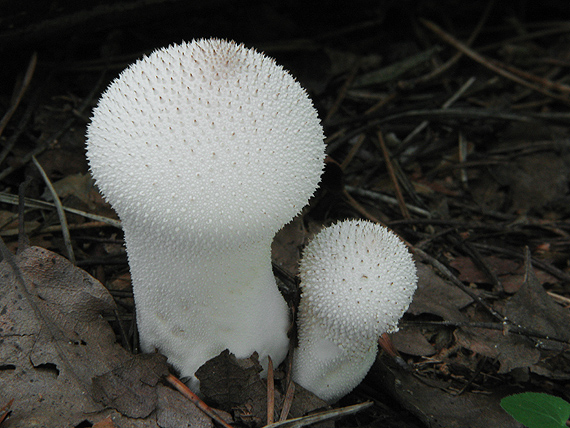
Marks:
<point>357,280</point>
<point>205,150</point>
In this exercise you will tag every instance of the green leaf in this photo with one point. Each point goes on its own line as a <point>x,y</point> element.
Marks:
<point>537,410</point>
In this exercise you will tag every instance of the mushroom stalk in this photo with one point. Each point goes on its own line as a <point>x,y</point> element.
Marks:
<point>205,150</point>
<point>357,280</point>
<point>222,298</point>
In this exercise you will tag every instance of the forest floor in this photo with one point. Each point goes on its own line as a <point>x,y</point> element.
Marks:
<point>446,122</point>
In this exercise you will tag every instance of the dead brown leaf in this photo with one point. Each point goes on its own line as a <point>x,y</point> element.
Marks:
<point>60,361</point>
<point>412,342</point>
<point>511,351</point>
<point>130,387</point>
<point>523,182</point>
<point>534,180</point>
<point>175,411</point>
<point>510,272</point>
<point>437,296</point>
<point>234,385</point>
<point>533,308</point>
<point>469,272</point>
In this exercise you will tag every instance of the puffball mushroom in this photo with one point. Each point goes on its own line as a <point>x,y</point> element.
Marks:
<point>357,280</point>
<point>205,150</point>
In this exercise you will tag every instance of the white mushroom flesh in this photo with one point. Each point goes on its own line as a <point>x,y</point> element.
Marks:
<point>205,150</point>
<point>357,280</point>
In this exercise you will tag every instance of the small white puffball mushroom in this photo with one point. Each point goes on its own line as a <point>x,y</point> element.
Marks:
<point>357,280</point>
<point>205,150</point>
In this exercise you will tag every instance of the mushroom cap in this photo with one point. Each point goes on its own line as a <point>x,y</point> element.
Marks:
<point>204,137</point>
<point>357,280</point>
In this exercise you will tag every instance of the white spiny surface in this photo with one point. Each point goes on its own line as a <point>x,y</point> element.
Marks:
<point>357,280</point>
<point>205,150</point>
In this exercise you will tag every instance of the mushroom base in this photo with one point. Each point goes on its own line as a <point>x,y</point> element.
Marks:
<point>193,303</point>
<point>326,368</point>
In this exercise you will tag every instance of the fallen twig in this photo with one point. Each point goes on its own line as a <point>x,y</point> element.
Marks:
<point>21,91</point>
<point>320,417</point>
<point>270,392</point>
<point>401,202</point>
<point>60,212</point>
<point>493,65</point>
<point>185,391</point>
<point>36,203</point>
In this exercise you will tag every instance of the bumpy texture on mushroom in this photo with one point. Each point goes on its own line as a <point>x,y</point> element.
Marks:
<point>205,150</point>
<point>357,280</point>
